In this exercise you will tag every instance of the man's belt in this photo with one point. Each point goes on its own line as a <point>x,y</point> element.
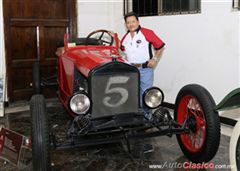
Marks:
<point>142,65</point>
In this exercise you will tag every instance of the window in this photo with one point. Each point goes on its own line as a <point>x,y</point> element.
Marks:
<point>162,7</point>
<point>236,4</point>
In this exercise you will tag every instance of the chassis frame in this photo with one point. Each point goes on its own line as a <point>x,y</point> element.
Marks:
<point>117,129</point>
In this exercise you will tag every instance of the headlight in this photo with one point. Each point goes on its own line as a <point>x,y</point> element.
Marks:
<point>80,103</point>
<point>153,97</point>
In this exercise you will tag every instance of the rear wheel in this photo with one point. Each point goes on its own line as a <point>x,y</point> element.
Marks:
<point>40,134</point>
<point>195,106</point>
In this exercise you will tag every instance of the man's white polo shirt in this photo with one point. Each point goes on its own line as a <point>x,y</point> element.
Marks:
<point>139,48</point>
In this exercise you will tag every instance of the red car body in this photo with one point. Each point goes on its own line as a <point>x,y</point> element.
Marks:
<point>84,58</point>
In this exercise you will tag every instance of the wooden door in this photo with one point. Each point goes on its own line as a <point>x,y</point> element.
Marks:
<point>32,29</point>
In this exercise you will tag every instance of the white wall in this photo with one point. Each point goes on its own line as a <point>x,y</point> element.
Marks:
<point>97,14</point>
<point>200,48</point>
<point>2,62</point>
<point>2,51</point>
<point>239,49</point>
<point>93,15</point>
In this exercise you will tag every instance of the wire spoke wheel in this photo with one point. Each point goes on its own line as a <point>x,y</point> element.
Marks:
<point>195,107</point>
<point>191,111</point>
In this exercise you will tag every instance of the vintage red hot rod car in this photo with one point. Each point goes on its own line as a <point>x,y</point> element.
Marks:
<point>100,90</point>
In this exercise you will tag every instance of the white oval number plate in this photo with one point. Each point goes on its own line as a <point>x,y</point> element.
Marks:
<point>117,90</point>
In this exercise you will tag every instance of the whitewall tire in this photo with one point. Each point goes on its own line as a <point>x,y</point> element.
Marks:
<point>235,147</point>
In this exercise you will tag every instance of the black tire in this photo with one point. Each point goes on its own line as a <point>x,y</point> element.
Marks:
<point>238,154</point>
<point>209,146</point>
<point>234,148</point>
<point>36,78</point>
<point>40,134</point>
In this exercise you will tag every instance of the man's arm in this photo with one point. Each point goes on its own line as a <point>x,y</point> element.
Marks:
<point>158,45</point>
<point>152,63</point>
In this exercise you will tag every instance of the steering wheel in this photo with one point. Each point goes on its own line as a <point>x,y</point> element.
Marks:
<point>100,38</point>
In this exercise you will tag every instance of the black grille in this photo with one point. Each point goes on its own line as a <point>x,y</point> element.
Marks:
<point>114,89</point>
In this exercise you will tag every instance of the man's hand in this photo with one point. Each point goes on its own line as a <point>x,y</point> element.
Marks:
<point>152,63</point>
<point>111,33</point>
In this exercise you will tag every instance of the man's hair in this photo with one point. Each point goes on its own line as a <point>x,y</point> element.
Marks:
<point>130,14</point>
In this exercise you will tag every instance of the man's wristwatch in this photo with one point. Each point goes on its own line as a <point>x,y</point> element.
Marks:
<point>155,59</point>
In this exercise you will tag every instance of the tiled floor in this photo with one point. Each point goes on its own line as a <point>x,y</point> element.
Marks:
<point>113,156</point>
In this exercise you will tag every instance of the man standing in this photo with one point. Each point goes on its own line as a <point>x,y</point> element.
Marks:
<point>137,44</point>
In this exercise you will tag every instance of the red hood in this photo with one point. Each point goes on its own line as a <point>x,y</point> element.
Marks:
<point>88,57</point>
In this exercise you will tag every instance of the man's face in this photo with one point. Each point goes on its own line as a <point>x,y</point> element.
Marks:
<point>132,23</point>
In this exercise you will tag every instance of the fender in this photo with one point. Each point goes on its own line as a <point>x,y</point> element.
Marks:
<point>231,101</point>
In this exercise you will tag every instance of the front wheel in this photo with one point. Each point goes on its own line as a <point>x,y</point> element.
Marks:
<point>40,135</point>
<point>36,77</point>
<point>235,148</point>
<point>195,107</point>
